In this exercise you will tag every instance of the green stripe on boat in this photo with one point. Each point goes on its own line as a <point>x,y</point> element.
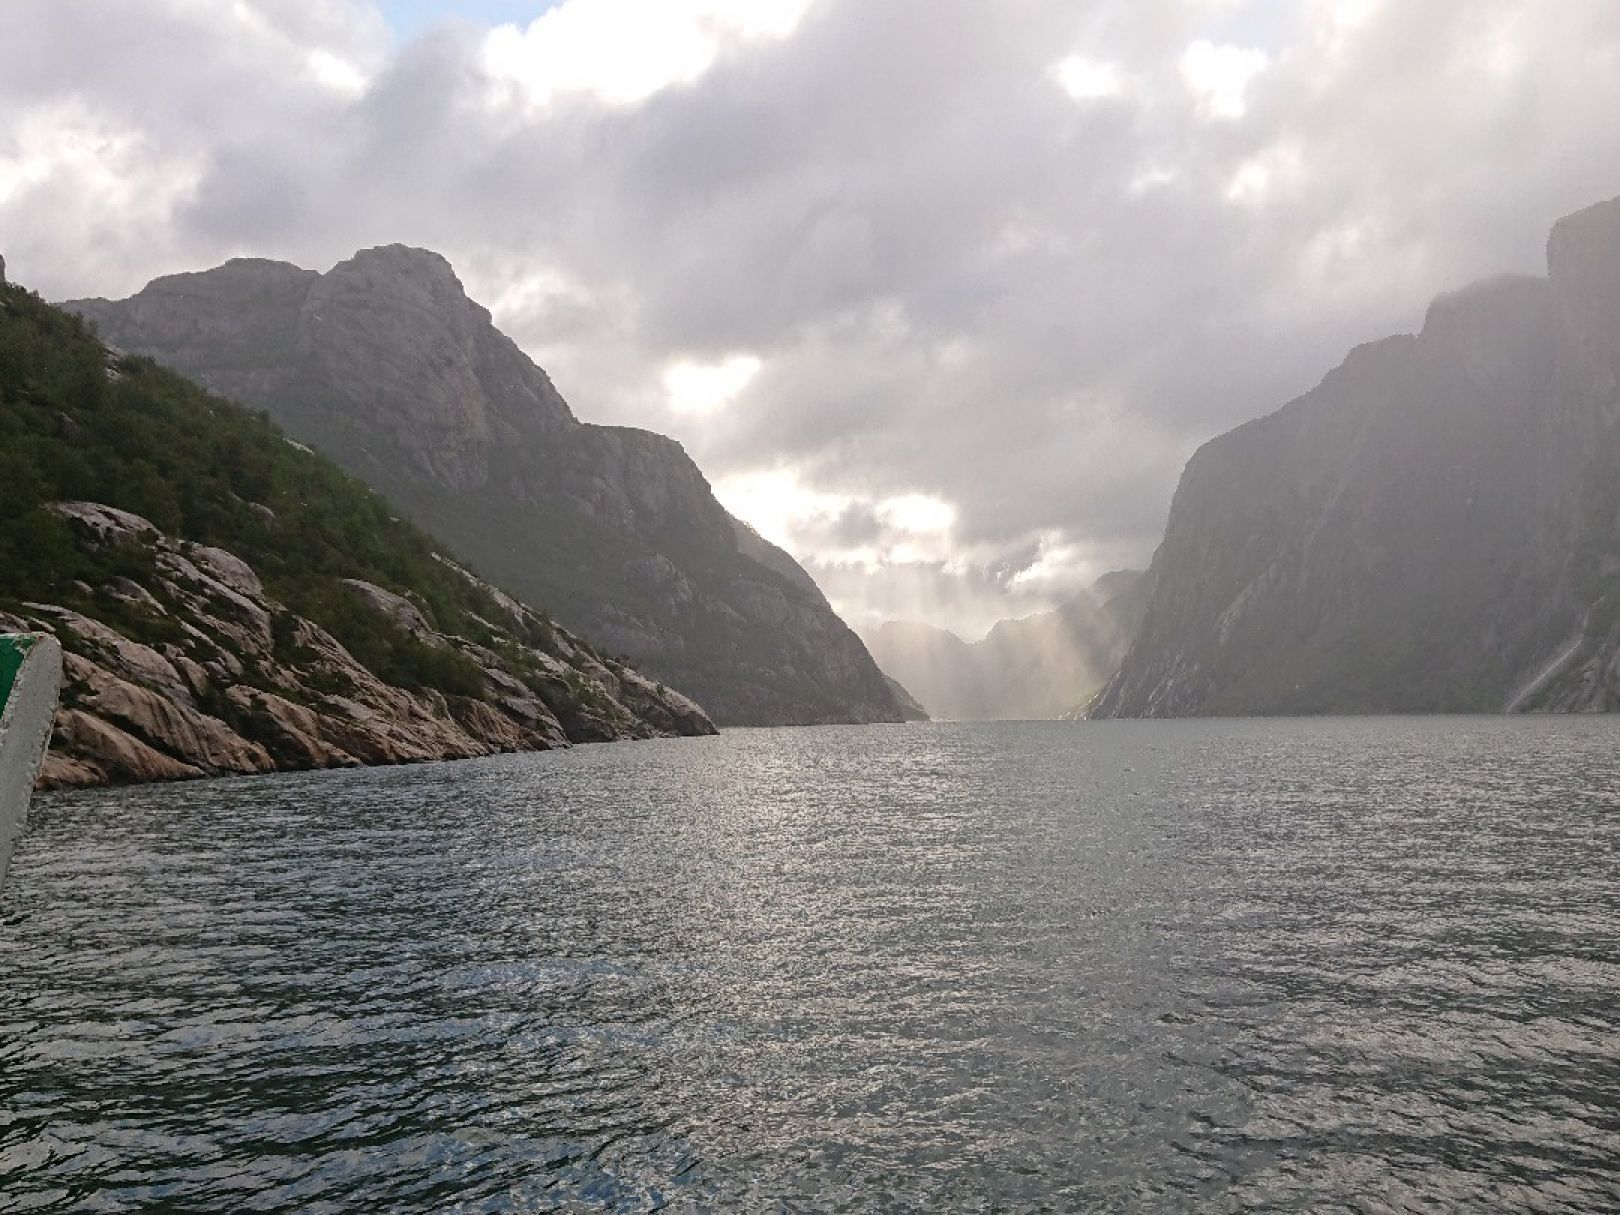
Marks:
<point>13,649</point>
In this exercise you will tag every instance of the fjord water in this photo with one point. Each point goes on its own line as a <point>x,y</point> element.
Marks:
<point>1263,965</point>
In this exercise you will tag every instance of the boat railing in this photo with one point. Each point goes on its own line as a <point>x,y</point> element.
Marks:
<point>30,680</point>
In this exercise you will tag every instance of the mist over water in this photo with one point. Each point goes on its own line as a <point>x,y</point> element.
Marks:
<point>1273,965</point>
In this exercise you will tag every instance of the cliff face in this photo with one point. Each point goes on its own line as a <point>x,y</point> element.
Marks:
<point>1434,528</point>
<point>387,366</point>
<point>1037,667</point>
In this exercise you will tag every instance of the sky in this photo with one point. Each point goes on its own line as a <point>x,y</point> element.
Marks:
<point>940,294</point>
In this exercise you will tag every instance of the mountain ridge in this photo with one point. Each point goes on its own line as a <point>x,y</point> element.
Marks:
<point>1435,527</point>
<point>385,364</point>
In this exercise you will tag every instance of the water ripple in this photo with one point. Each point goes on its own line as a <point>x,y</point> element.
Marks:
<point>1206,966</point>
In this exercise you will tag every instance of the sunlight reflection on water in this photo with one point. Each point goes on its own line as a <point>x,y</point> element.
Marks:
<point>1198,965</point>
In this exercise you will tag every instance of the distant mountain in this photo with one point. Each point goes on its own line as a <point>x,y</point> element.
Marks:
<point>229,602</point>
<point>935,661</point>
<point>1434,528</point>
<point>1037,667</point>
<point>385,364</point>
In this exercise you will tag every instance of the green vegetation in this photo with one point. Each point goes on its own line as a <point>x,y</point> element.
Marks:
<point>129,434</point>
<point>12,652</point>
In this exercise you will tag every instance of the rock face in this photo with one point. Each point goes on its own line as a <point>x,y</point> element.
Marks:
<point>384,364</point>
<point>1434,528</point>
<point>911,708</point>
<point>1037,667</point>
<point>247,686</point>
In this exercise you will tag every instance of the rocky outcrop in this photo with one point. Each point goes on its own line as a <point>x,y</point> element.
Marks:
<point>1034,668</point>
<point>384,364</point>
<point>1434,528</point>
<point>240,684</point>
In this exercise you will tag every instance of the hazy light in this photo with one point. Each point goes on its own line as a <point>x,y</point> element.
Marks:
<point>1152,177</point>
<point>777,504</point>
<point>1348,13</point>
<point>1262,175</point>
<point>917,513</point>
<point>707,387</point>
<point>336,73</point>
<point>1087,79</point>
<point>1059,566</point>
<point>1219,76</point>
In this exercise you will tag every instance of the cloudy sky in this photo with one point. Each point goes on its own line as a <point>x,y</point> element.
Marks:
<point>940,293</point>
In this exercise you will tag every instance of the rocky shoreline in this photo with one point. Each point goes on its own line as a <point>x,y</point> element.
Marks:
<point>239,684</point>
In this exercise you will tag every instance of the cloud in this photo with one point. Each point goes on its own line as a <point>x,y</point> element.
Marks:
<point>1015,260</point>
<point>1219,76</point>
<point>1087,79</point>
<point>705,387</point>
<point>623,51</point>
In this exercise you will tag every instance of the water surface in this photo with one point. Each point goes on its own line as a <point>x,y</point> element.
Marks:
<point>1362,965</point>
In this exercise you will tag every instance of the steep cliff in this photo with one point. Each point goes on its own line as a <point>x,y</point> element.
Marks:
<point>1035,667</point>
<point>263,610</point>
<point>1434,528</point>
<point>386,365</point>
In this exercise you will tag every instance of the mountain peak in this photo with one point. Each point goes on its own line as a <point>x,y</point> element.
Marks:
<point>1509,300</point>
<point>241,279</point>
<point>399,262</point>
<point>1585,246</point>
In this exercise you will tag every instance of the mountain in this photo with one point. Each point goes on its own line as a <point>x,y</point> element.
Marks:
<point>1037,667</point>
<point>934,661</point>
<point>229,602</point>
<point>384,364</point>
<point>1433,528</point>
<point>911,708</point>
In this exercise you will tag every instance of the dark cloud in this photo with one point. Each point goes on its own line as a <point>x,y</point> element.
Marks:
<point>961,281</point>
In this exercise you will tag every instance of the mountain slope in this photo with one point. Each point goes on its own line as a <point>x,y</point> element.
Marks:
<point>1036,667</point>
<point>910,707</point>
<point>230,602</point>
<point>385,364</point>
<point>1434,528</point>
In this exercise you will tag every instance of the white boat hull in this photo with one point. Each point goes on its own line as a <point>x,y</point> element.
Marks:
<point>25,729</point>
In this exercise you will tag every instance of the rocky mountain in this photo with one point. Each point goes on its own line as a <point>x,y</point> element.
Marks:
<point>385,364</point>
<point>1434,528</point>
<point>910,707</point>
<point>1036,667</point>
<point>230,602</point>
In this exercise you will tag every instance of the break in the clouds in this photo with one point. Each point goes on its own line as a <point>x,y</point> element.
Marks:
<point>939,293</point>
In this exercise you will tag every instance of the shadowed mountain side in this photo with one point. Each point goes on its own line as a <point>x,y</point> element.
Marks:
<point>385,364</point>
<point>1434,528</point>
<point>1037,667</point>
